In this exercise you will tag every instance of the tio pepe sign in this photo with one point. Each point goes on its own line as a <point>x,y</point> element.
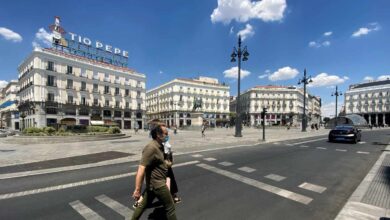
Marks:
<point>98,45</point>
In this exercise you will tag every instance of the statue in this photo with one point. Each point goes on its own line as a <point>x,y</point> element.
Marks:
<point>197,104</point>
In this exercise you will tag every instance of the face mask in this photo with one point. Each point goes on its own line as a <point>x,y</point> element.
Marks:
<point>166,139</point>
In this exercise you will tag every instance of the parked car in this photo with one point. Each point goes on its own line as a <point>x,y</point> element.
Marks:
<point>8,132</point>
<point>345,133</point>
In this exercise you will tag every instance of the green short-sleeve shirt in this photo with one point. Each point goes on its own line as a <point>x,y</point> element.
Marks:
<point>156,169</point>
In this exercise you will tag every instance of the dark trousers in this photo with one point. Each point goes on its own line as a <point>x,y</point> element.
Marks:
<point>163,195</point>
<point>174,188</point>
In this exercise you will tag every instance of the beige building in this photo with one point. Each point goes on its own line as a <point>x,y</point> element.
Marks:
<point>173,102</point>
<point>370,100</point>
<point>9,115</point>
<point>284,105</point>
<point>61,88</point>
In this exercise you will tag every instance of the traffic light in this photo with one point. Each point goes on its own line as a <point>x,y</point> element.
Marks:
<point>263,112</point>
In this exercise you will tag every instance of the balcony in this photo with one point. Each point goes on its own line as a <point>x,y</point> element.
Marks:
<point>84,75</point>
<point>106,79</point>
<point>54,84</point>
<point>83,89</point>
<point>117,81</point>
<point>95,77</point>
<point>96,91</point>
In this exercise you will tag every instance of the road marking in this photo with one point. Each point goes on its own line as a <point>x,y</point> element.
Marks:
<point>305,146</point>
<point>247,169</point>
<point>84,211</point>
<point>210,159</point>
<point>260,185</point>
<point>362,142</point>
<point>312,187</point>
<point>275,177</point>
<point>341,150</point>
<point>197,155</point>
<point>116,206</point>
<point>321,148</point>
<point>226,164</point>
<point>303,142</point>
<point>76,184</point>
<point>275,143</point>
<point>289,144</point>
<point>362,152</point>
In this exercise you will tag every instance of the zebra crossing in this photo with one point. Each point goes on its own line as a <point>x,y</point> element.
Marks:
<point>235,173</point>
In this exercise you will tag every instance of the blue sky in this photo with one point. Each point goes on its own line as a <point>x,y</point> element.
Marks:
<point>338,42</point>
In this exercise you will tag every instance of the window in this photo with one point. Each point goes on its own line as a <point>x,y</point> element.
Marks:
<point>127,104</point>
<point>69,84</point>
<point>95,87</point>
<point>51,81</point>
<point>117,104</point>
<point>139,106</point>
<point>83,101</point>
<point>50,97</point>
<point>83,86</point>
<point>107,103</point>
<point>138,94</point>
<point>127,92</point>
<point>50,66</point>
<point>95,101</point>
<point>106,89</point>
<point>69,70</point>
<point>116,91</point>
<point>181,97</point>
<point>70,99</point>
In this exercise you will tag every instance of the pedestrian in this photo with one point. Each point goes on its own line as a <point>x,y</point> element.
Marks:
<point>203,130</point>
<point>136,128</point>
<point>154,168</point>
<point>316,126</point>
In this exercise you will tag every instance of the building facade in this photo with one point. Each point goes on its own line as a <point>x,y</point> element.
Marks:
<point>370,100</point>
<point>62,88</point>
<point>173,102</point>
<point>284,105</point>
<point>9,114</point>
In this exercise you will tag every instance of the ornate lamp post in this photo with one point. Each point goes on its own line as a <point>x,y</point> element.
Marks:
<point>240,54</point>
<point>305,80</point>
<point>337,94</point>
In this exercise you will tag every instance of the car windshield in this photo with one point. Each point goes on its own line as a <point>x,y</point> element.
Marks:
<point>343,128</point>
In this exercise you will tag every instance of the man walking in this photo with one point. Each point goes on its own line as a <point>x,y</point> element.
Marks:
<point>155,169</point>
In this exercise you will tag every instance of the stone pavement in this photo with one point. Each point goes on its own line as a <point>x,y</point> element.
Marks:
<point>184,141</point>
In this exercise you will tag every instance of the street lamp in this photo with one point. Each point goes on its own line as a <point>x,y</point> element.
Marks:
<point>244,55</point>
<point>305,80</point>
<point>337,94</point>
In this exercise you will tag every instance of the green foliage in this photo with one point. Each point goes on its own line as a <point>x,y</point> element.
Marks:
<point>32,130</point>
<point>49,130</point>
<point>97,129</point>
<point>114,130</point>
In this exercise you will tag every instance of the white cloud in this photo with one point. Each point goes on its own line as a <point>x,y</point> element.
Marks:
<point>324,80</point>
<point>368,79</point>
<point>233,73</point>
<point>3,84</point>
<point>384,77</point>
<point>329,109</point>
<point>247,32</point>
<point>366,30</point>
<point>231,30</point>
<point>326,34</point>
<point>42,37</point>
<point>263,76</point>
<point>314,44</point>
<point>326,43</point>
<point>10,35</point>
<point>244,10</point>
<point>283,74</point>
<point>160,72</point>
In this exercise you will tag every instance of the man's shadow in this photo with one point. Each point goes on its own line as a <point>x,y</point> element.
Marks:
<point>158,212</point>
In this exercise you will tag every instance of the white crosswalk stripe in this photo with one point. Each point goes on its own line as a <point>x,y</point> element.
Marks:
<point>362,152</point>
<point>341,150</point>
<point>312,187</point>
<point>260,185</point>
<point>226,164</point>
<point>275,177</point>
<point>197,155</point>
<point>321,148</point>
<point>247,169</point>
<point>116,206</point>
<point>362,142</point>
<point>84,211</point>
<point>210,159</point>
<point>304,146</point>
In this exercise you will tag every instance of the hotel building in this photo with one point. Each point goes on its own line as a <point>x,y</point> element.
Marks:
<point>370,100</point>
<point>9,115</point>
<point>173,101</point>
<point>57,87</point>
<point>284,105</point>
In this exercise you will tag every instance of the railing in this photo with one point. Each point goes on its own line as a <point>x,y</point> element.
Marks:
<point>51,84</point>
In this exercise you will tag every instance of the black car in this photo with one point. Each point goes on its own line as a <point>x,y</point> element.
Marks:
<point>345,133</point>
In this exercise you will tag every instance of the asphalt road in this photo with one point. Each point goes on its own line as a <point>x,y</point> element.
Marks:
<point>299,179</point>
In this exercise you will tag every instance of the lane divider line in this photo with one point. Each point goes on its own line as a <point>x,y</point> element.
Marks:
<point>84,211</point>
<point>312,187</point>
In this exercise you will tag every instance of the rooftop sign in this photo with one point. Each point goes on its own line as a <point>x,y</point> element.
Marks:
<point>84,46</point>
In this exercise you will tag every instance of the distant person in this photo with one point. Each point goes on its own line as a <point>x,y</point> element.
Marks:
<point>203,129</point>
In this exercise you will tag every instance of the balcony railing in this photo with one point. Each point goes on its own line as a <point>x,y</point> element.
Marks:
<point>51,84</point>
<point>107,79</point>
